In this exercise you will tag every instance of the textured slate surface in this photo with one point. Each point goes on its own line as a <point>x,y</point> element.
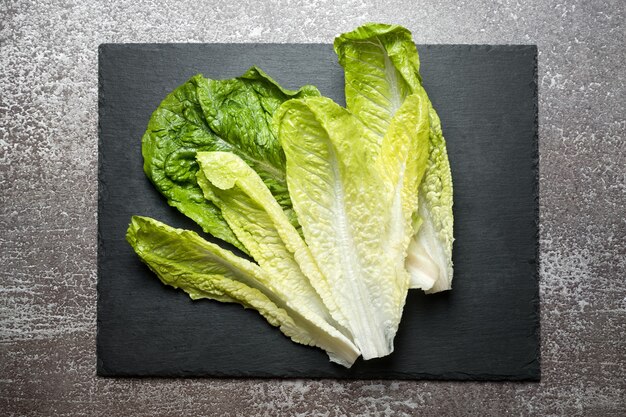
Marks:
<point>486,328</point>
<point>48,204</point>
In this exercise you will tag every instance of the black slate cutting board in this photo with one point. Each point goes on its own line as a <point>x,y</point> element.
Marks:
<point>485,329</point>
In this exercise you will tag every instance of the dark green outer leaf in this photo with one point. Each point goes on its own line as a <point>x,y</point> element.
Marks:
<point>217,115</point>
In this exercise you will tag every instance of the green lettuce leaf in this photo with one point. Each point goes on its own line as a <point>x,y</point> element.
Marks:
<point>381,66</point>
<point>381,69</point>
<point>261,225</point>
<point>217,115</point>
<point>182,259</point>
<point>430,254</point>
<point>354,196</point>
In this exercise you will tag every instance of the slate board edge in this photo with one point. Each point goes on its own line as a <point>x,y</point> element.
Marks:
<point>396,376</point>
<point>536,365</point>
<point>100,368</point>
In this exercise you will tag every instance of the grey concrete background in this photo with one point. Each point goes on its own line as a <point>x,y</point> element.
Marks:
<point>48,172</point>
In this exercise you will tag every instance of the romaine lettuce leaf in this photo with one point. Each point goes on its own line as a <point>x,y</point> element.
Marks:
<point>381,69</point>
<point>261,225</point>
<point>184,260</point>
<point>217,115</point>
<point>430,254</point>
<point>381,66</point>
<point>354,196</point>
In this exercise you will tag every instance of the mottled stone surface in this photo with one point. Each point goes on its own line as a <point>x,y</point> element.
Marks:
<point>48,171</point>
